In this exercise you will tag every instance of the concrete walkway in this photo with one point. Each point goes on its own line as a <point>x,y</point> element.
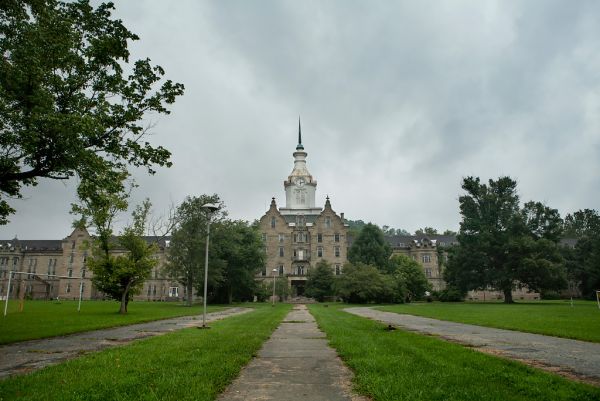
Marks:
<point>294,364</point>
<point>571,358</point>
<point>26,356</point>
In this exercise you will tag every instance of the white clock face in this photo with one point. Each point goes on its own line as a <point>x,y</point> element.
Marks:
<point>300,182</point>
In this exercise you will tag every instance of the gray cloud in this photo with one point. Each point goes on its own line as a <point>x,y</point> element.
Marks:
<point>399,101</point>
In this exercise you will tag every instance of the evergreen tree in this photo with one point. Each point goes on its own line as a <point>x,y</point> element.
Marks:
<point>320,281</point>
<point>371,248</point>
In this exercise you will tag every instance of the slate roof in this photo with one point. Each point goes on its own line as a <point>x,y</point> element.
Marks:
<point>32,244</point>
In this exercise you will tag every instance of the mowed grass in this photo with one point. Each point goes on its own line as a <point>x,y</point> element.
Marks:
<point>41,319</point>
<point>399,365</point>
<point>189,364</point>
<point>553,318</point>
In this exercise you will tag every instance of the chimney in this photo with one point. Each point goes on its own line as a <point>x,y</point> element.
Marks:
<point>342,216</point>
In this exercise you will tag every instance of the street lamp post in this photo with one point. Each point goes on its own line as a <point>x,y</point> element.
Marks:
<point>210,209</point>
<point>274,271</point>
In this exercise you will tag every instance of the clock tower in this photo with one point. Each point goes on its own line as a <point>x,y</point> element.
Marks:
<point>300,186</point>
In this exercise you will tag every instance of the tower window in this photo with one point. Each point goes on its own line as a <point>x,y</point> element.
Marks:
<point>273,220</point>
<point>327,222</point>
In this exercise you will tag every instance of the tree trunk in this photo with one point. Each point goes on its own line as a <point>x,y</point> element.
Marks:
<point>508,296</point>
<point>124,299</point>
<point>229,295</point>
<point>190,292</point>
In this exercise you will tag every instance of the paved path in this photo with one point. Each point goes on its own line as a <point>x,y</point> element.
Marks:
<point>26,356</point>
<point>294,364</point>
<point>580,359</point>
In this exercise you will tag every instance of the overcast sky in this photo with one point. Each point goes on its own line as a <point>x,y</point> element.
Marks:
<point>399,101</point>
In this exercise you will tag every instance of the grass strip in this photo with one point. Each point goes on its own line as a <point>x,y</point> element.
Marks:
<point>41,319</point>
<point>553,318</point>
<point>189,364</point>
<point>398,365</point>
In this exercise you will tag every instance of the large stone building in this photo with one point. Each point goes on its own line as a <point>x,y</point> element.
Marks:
<point>50,269</point>
<point>301,234</point>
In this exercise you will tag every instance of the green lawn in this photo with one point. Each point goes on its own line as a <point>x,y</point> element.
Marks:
<point>41,319</point>
<point>554,318</point>
<point>189,364</point>
<point>398,365</point>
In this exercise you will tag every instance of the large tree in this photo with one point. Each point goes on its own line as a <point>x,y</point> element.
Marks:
<point>503,246</point>
<point>71,102</point>
<point>120,266</point>
<point>371,248</point>
<point>239,249</point>
<point>583,262</point>
<point>320,281</point>
<point>186,255</point>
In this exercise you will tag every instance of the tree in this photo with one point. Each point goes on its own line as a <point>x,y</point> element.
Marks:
<point>264,290</point>
<point>582,223</point>
<point>449,232</point>
<point>122,276</point>
<point>67,107</point>
<point>410,276</point>
<point>362,283</point>
<point>185,259</point>
<point>583,262</point>
<point>426,231</point>
<point>320,281</point>
<point>238,247</point>
<point>501,245</point>
<point>371,248</point>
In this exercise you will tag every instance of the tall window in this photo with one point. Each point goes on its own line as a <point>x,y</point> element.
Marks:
<point>281,251</point>
<point>426,258</point>
<point>68,288</point>
<point>273,222</point>
<point>319,237</point>
<point>300,220</point>
<point>264,237</point>
<point>338,270</point>
<point>320,252</point>
<point>327,222</point>
<point>337,251</point>
<point>70,272</point>
<point>427,272</point>
<point>281,270</point>
<point>336,237</point>
<point>281,237</point>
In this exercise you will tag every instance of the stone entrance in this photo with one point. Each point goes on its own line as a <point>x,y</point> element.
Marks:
<point>298,288</point>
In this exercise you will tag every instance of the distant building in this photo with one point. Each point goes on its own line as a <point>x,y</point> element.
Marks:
<point>51,269</point>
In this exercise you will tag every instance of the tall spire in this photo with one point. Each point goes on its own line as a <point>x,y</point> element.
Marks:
<point>300,146</point>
